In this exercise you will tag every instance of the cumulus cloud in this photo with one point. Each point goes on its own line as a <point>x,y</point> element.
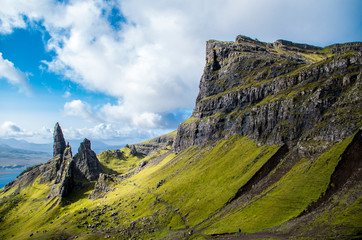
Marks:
<point>79,109</point>
<point>10,17</point>
<point>112,134</point>
<point>10,128</point>
<point>116,113</point>
<point>13,75</point>
<point>112,114</point>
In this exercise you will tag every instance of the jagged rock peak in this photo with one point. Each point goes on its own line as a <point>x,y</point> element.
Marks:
<point>86,161</point>
<point>85,145</point>
<point>245,39</point>
<point>59,141</point>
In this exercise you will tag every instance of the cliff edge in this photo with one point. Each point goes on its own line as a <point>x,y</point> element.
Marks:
<point>276,93</point>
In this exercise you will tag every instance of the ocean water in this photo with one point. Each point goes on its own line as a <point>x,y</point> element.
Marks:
<point>7,176</point>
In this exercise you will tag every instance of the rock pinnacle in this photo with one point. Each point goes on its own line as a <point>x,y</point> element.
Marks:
<point>59,141</point>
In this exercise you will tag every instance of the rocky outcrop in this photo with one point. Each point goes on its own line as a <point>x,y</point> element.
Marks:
<point>68,172</point>
<point>276,93</point>
<point>86,161</point>
<point>104,185</point>
<point>146,148</point>
<point>133,150</point>
<point>59,141</point>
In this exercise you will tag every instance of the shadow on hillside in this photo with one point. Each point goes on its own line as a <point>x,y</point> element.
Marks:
<point>81,190</point>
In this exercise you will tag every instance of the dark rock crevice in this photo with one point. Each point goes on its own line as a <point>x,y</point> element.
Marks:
<point>263,172</point>
<point>350,166</point>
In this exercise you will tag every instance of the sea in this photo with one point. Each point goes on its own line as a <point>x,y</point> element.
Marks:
<point>7,176</point>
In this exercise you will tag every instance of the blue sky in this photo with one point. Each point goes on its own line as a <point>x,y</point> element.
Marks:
<point>123,71</point>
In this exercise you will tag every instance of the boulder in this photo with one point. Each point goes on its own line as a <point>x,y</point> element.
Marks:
<point>104,184</point>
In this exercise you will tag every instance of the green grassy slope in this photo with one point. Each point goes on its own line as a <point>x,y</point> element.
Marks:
<point>287,198</point>
<point>196,184</point>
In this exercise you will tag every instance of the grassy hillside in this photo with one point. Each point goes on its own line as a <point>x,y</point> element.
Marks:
<point>287,198</point>
<point>177,193</point>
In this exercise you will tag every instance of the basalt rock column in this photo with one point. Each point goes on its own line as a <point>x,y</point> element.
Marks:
<point>59,141</point>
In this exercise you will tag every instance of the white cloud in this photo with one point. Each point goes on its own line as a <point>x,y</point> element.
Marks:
<point>67,94</point>
<point>113,134</point>
<point>116,113</point>
<point>100,131</point>
<point>79,109</point>
<point>9,127</point>
<point>10,17</point>
<point>153,66</point>
<point>110,133</point>
<point>13,75</point>
<point>112,114</point>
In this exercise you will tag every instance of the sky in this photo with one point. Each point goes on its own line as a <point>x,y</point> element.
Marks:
<point>124,71</point>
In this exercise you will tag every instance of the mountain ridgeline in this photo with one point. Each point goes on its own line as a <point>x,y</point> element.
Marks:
<point>272,150</point>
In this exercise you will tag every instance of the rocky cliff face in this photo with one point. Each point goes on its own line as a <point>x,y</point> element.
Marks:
<point>155,144</point>
<point>276,93</point>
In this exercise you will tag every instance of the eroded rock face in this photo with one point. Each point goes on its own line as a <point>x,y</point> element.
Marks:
<point>64,181</point>
<point>86,161</point>
<point>273,93</point>
<point>155,144</point>
<point>104,185</point>
<point>133,150</point>
<point>59,141</point>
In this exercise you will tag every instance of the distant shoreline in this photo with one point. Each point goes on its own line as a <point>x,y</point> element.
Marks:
<point>7,173</point>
